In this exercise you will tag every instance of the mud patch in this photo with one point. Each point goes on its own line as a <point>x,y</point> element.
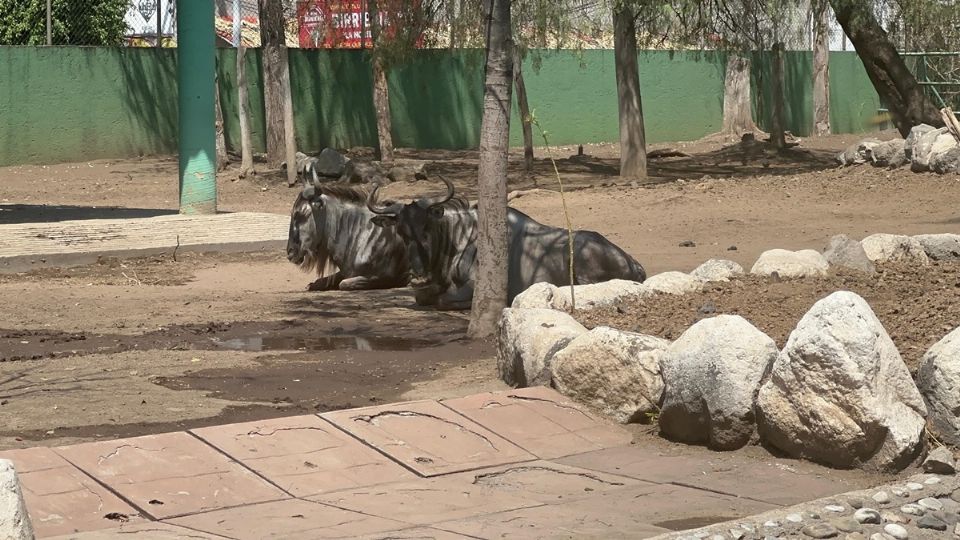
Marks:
<point>322,343</point>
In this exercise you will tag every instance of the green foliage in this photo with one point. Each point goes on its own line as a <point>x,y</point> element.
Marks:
<point>75,22</point>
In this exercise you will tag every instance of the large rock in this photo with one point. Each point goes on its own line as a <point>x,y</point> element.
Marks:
<point>848,253</point>
<point>538,295</point>
<point>527,339</point>
<point>711,375</point>
<point>939,382</point>
<point>407,172</point>
<point>596,295</point>
<point>330,163</point>
<point>945,155</point>
<point>361,172</point>
<point>887,154</point>
<point>857,153</point>
<point>717,270</point>
<point>617,373</point>
<point>840,394</point>
<point>881,248</point>
<point>911,141</point>
<point>673,283</point>
<point>790,264</point>
<point>940,247</point>
<point>14,521</point>
<point>922,149</point>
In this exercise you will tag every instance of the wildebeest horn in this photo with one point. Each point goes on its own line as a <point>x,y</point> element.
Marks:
<point>373,207</point>
<point>441,200</point>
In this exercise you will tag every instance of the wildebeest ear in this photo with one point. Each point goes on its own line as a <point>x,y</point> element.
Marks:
<point>384,221</point>
<point>436,211</point>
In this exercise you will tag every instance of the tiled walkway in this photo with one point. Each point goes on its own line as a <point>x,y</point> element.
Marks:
<point>517,464</point>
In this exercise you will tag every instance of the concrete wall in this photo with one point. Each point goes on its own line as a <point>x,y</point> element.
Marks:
<point>70,103</point>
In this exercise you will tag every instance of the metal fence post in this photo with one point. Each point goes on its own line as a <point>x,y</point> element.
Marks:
<point>49,24</point>
<point>160,23</point>
<point>196,77</point>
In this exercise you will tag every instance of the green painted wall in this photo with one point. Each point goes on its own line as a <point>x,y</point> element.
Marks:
<point>72,103</point>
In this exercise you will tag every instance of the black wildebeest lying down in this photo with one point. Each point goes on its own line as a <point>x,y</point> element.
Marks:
<point>441,236</point>
<point>331,231</point>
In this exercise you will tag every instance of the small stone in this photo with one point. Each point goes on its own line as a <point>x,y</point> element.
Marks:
<point>896,531</point>
<point>771,524</point>
<point>880,536</point>
<point>737,534</point>
<point>748,527</point>
<point>855,536</point>
<point>846,525</point>
<point>687,243</point>
<point>867,515</point>
<point>718,537</point>
<point>794,518</point>
<point>940,461</point>
<point>955,495</point>
<point>855,503</point>
<point>834,508</point>
<point>930,503</point>
<point>820,530</point>
<point>956,529</point>
<point>881,497</point>
<point>913,486</point>
<point>912,509</point>
<point>813,515</point>
<point>732,248</point>
<point>930,522</point>
<point>893,517</point>
<point>900,492</point>
<point>933,480</point>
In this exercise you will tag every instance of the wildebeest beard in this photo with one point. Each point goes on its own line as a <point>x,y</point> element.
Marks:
<point>334,222</point>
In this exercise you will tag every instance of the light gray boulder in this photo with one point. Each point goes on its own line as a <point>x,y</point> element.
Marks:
<point>673,283</point>
<point>330,163</point>
<point>887,154</point>
<point>857,153</point>
<point>597,295</point>
<point>848,253</point>
<point>615,372</point>
<point>914,136</point>
<point>940,247</point>
<point>839,392</point>
<point>939,382</point>
<point>882,248</point>
<point>15,523</point>
<point>717,270</point>
<point>711,375</point>
<point>922,149</point>
<point>945,155</point>
<point>790,264</point>
<point>538,295</point>
<point>527,340</point>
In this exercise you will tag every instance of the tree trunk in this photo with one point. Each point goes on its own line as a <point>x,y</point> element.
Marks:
<point>289,133</point>
<point>777,120</point>
<point>524,106</point>
<point>633,146</point>
<point>381,103</point>
<point>737,106</point>
<point>821,70</point>
<point>896,86</point>
<point>221,144</point>
<point>490,286</point>
<point>274,74</point>
<point>246,146</point>
<point>381,90</point>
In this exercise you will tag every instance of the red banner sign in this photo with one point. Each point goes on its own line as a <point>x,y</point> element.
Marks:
<point>329,24</point>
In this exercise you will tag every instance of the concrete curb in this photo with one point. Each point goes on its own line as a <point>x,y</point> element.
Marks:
<point>14,521</point>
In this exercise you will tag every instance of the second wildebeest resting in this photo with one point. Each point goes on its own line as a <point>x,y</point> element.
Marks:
<point>441,237</point>
<point>331,231</point>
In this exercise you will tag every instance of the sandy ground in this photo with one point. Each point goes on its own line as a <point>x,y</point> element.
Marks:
<point>139,346</point>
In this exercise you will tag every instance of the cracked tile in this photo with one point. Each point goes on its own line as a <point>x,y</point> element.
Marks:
<point>545,481</point>
<point>427,437</point>
<point>290,520</point>
<point>633,512</point>
<point>541,421</point>
<point>60,498</point>
<point>427,501</point>
<point>170,474</point>
<point>304,455</point>
<point>416,533</point>
<point>143,531</point>
<point>777,481</point>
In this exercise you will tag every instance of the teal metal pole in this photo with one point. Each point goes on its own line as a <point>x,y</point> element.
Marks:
<point>196,66</point>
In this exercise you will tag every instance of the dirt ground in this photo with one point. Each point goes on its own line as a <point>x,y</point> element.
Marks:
<point>127,347</point>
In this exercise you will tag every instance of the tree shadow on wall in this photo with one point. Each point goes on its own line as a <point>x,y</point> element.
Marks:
<point>150,96</point>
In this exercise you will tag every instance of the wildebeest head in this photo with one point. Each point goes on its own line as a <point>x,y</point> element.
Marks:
<point>416,223</point>
<point>303,237</point>
<point>321,222</point>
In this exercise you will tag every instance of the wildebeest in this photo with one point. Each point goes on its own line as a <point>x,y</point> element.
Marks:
<point>441,236</point>
<point>331,231</point>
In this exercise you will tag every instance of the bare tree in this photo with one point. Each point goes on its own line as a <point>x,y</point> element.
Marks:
<point>490,289</point>
<point>381,88</point>
<point>821,68</point>
<point>221,144</point>
<point>524,107</point>
<point>246,146</point>
<point>737,105</point>
<point>281,144</point>
<point>633,146</point>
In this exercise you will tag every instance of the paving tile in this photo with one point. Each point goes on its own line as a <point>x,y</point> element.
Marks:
<point>153,530</point>
<point>632,512</point>
<point>427,437</point>
<point>416,533</point>
<point>304,455</point>
<point>170,474</point>
<point>60,498</point>
<point>291,520</point>
<point>427,501</point>
<point>541,421</point>
<point>777,481</point>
